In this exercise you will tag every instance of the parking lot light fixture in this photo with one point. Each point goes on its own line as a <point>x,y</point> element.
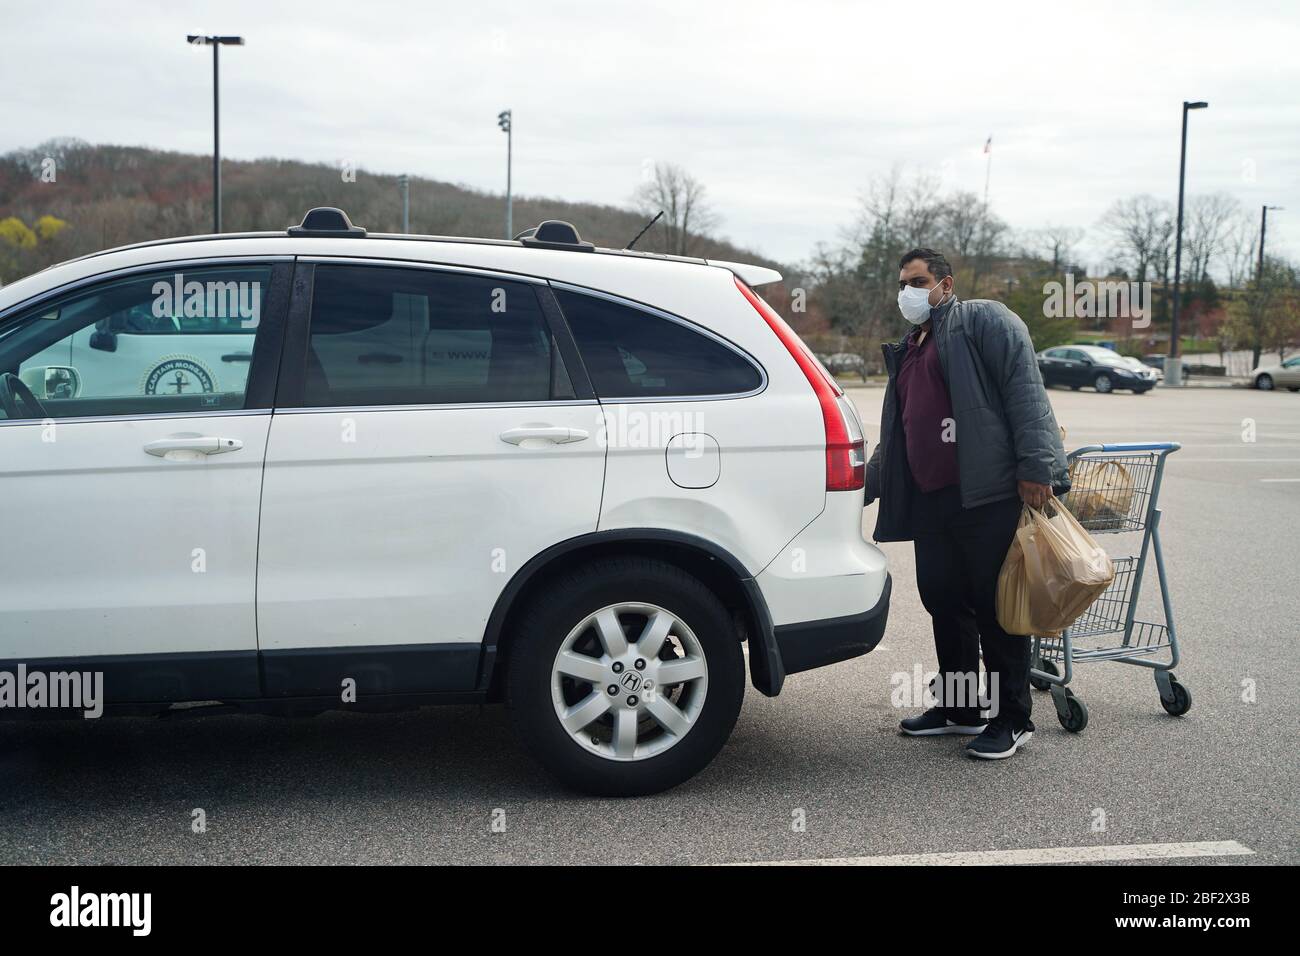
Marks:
<point>216,42</point>
<point>1174,371</point>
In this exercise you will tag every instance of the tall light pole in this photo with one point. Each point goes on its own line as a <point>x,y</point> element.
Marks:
<point>505,121</point>
<point>1263,228</point>
<point>1174,364</point>
<point>404,184</point>
<point>216,42</point>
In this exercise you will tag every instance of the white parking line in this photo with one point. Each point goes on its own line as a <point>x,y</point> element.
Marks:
<point>1057,854</point>
<point>1278,479</point>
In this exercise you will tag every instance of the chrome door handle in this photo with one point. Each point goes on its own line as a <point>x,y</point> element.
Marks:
<point>190,448</point>
<point>555,434</point>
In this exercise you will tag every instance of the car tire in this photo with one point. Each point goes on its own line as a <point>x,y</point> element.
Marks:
<point>1293,388</point>
<point>1264,382</point>
<point>594,757</point>
<point>1103,384</point>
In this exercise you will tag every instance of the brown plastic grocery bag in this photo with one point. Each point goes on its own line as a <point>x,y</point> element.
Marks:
<point>1102,494</point>
<point>1053,571</point>
<point>1013,588</point>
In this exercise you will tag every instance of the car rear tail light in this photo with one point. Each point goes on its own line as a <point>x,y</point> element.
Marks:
<point>845,449</point>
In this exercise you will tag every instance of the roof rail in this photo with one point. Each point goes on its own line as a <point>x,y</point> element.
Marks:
<point>327,221</point>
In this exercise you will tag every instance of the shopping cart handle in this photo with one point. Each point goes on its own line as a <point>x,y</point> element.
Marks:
<point>1143,446</point>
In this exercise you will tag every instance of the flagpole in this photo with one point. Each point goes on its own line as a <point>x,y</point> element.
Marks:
<point>988,169</point>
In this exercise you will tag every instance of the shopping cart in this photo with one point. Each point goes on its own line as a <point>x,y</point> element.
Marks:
<point>1115,489</point>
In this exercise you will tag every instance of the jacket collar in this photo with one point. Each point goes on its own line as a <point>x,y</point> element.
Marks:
<point>939,313</point>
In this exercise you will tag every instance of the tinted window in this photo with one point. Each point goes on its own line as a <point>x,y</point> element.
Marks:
<point>384,336</point>
<point>630,353</point>
<point>155,343</point>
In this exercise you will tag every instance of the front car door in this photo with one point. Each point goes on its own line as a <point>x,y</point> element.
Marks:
<point>1289,373</point>
<point>428,440</point>
<point>130,477</point>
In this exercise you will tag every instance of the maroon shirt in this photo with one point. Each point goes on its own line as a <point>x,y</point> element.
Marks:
<point>927,416</point>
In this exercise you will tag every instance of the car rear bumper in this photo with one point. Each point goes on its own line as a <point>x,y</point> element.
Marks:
<point>809,644</point>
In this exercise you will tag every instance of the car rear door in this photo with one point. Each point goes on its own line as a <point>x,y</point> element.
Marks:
<point>129,509</point>
<point>428,440</point>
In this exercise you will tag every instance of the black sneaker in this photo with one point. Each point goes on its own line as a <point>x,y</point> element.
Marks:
<point>933,722</point>
<point>999,740</point>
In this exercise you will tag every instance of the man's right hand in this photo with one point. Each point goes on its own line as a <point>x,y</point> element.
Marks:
<point>1034,494</point>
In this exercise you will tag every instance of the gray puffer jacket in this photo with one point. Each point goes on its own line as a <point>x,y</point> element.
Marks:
<point>1005,428</point>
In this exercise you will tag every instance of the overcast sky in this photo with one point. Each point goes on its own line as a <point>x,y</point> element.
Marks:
<point>784,110</point>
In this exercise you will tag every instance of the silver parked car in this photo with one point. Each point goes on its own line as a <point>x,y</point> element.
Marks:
<point>1285,375</point>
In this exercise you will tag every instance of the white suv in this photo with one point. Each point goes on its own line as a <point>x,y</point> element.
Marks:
<point>325,469</point>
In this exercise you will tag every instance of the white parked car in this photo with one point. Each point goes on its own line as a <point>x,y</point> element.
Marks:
<point>325,469</point>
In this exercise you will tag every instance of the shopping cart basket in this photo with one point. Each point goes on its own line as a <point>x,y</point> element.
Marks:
<point>1115,489</point>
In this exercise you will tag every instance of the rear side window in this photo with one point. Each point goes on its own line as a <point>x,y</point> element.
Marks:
<point>630,353</point>
<point>391,336</point>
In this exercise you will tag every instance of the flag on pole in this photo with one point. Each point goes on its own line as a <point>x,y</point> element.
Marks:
<point>988,146</point>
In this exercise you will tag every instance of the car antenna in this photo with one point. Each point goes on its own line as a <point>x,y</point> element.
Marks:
<point>659,216</point>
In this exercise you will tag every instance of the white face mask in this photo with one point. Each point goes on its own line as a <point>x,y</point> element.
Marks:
<point>914,303</point>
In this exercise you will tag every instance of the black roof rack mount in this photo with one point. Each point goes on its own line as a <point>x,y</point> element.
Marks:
<point>555,234</point>
<point>327,221</point>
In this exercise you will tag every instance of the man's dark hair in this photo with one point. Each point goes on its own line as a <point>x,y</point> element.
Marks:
<point>934,261</point>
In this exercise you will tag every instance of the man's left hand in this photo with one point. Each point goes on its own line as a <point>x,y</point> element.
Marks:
<point>1034,494</point>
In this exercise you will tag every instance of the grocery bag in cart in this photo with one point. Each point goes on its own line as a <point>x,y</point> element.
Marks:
<point>1053,571</point>
<point>1104,491</point>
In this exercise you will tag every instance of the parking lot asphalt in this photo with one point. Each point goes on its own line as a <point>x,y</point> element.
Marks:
<point>817,773</point>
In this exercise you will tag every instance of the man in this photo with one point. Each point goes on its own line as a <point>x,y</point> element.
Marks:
<point>966,435</point>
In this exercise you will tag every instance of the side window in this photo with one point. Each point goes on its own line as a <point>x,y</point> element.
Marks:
<point>391,336</point>
<point>155,343</point>
<point>630,353</point>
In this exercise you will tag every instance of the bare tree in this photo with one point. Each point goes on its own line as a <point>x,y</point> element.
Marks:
<point>1207,232</point>
<point>1241,246</point>
<point>1140,228</point>
<point>1056,244</point>
<point>960,219</point>
<point>687,213</point>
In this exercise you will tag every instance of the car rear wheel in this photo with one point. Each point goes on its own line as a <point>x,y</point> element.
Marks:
<point>1264,383</point>
<point>1102,383</point>
<point>625,678</point>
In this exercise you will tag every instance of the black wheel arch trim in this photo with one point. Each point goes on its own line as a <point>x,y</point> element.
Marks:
<point>766,670</point>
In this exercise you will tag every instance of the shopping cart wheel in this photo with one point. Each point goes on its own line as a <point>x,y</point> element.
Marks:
<point>1182,700</point>
<point>1070,711</point>
<point>1040,683</point>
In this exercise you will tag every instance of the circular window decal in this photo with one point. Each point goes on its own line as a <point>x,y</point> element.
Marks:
<point>178,375</point>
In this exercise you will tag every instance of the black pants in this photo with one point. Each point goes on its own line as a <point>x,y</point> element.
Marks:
<point>959,552</point>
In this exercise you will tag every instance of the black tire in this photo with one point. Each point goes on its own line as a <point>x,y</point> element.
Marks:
<point>1182,701</point>
<point>1264,382</point>
<point>1103,384</point>
<point>1293,388</point>
<point>1076,716</point>
<point>1037,682</point>
<point>545,624</point>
